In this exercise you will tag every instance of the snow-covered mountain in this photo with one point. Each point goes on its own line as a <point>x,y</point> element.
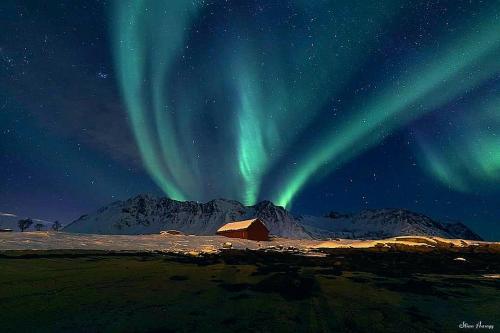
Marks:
<point>459,230</point>
<point>145,214</point>
<point>10,221</point>
<point>382,223</point>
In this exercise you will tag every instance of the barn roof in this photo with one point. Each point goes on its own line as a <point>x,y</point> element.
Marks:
<point>239,225</point>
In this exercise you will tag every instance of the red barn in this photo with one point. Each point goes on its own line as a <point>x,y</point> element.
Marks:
<point>253,229</point>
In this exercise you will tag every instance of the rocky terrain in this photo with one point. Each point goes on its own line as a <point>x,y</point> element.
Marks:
<point>172,283</point>
<point>145,214</point>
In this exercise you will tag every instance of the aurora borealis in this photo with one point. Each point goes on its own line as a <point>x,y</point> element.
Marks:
<point>468,159</point>
<point>314,105</point>
<point>275,88</point>
<point>272,91</point>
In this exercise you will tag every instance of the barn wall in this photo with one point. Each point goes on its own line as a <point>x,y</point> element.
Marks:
<point>233,234</point>
<point>257,231</point>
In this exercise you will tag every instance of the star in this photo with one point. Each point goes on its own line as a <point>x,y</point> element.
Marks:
<point>102,75</point>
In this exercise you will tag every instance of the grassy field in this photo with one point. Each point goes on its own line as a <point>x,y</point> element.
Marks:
<point>134,293</point>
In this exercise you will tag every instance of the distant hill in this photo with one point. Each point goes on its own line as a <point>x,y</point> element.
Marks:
<point>383,223</point>
<point>146,214</point>
<point>10,221</point>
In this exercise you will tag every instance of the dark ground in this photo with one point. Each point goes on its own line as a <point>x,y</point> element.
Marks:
<point>349,291</point>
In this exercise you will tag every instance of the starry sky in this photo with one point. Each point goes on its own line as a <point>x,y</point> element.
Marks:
<point>314,105</point>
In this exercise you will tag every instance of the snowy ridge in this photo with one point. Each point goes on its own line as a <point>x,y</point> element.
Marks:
<point>382,223</point>
<point>146,214</point>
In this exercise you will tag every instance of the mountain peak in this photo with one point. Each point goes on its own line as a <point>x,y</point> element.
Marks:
<point>385,223</point>
<point>147,196</point>
<point>146,213</point>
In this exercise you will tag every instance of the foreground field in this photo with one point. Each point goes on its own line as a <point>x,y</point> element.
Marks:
<point>240,291</point>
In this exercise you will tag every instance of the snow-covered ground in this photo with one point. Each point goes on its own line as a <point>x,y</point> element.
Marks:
<point>168,243</point>
<point>212,244</point>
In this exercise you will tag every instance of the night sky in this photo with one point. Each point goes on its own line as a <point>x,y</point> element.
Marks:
<point>314,105</point>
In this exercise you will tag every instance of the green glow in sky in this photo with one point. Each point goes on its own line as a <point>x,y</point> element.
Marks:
<point>415,92</point>
<point>243,116</point>
<point>467,160</point>
<point>147,35</point>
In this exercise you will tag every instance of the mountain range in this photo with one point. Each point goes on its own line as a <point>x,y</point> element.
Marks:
<point>10,221</point>
<point>147,214</point>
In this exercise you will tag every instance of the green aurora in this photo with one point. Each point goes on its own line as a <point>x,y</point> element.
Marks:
<point>246,111</point>
<point>471,161</point>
